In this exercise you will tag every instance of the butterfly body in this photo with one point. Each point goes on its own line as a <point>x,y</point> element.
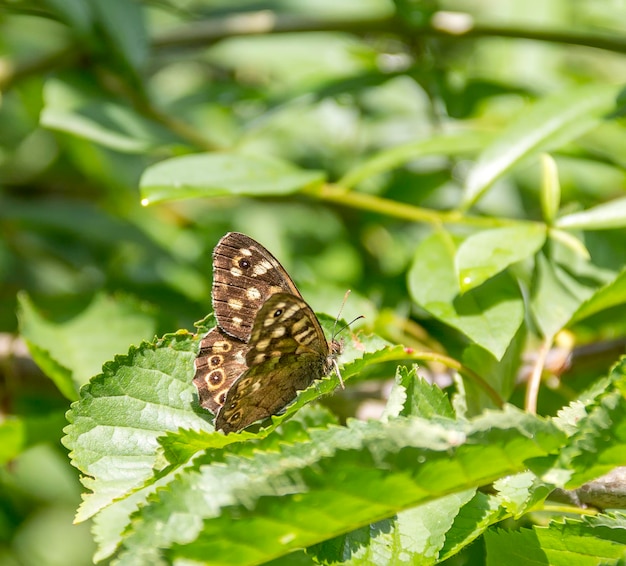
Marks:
<point>268,343</point>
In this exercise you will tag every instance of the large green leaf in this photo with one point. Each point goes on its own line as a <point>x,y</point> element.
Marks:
<point>73,350</point>
<point>490,314</point>
<point>261,501</point>
<point>141,396</point>
<point>213,174</point>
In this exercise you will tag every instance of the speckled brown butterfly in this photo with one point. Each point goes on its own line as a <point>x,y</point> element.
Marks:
<point>267,344</point>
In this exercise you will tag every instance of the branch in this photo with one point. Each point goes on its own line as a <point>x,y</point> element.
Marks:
<point>265,22</point>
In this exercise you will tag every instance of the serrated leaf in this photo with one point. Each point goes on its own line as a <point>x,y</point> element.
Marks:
<point>550,123</point>
<point>73,350</point>
<point>254,507</point>
<point>597,424</point>
<point>521,492</point>
<point>487,253</point>
<point>580,542</point>
<point>212,174</point>
<point>489,315</point>
<point>418,397</point>
<point>414,536</point>
<point>606,216</point>
<point>114,426</point>
<point>473,519</point>
<point>149,392</point>
<point>600,441</point>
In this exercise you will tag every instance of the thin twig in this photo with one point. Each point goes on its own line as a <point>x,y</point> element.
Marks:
<point>532,390</point>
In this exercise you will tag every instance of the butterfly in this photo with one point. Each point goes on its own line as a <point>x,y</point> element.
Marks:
<point>267,345</point>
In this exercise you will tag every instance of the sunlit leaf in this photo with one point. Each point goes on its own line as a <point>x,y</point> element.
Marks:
<point>607,216</point>
<point>550,123</point>
<point>211,175</point>
<point>490,315</point>
<point>73,350</point>
<point>487,253</point>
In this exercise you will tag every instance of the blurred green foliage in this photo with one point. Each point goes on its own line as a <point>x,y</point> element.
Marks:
<point>392,147</point>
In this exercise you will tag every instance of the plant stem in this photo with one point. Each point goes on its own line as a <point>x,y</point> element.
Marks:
<point>404,211</point>
<point>267,22</point>
<point>532,390</point>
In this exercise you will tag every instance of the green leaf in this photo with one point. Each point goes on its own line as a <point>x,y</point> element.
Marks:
<point>555,296</point>
<point>520,492</point>
<point>77,13</point>
<point>73,350</point>
<point>599,444</point>
<point>570,241</point>
<point>473,519</point>
<point>550,189</point>
<point>500,374</point>
<point>550,123</point>
<point>606,216</point>
<point>149,392</point>
<point>445,144</point>
<point>414,396</point>
<point>114,426</point>
<point>124,26</point>
<point>212,174</point>
<point>610,295</point>
<point>596,424</point>
<point>483,255</point>
<point>489,315</point>
<point>75,108</point>
<point>263,500</point>
<point>586,542</point>
<point>12,439</point>
<point>414,536</point>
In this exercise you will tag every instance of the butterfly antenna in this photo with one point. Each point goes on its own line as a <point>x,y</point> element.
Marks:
<point>336,332</point>
<point>349,324</point>
<point>343,304</point>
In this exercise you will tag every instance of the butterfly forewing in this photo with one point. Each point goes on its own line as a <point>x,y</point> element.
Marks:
<point>245,275</point>
<point>220,361</point>
<point>287,351</point>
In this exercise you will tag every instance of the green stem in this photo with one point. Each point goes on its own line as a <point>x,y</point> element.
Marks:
<point>372,203</point>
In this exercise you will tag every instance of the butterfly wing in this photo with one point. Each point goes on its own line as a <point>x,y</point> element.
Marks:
<point>245,275</point>
<point>220,361</point>
<point>287,351</point>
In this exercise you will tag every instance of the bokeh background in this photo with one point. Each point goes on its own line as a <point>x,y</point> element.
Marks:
<point>92,92</point>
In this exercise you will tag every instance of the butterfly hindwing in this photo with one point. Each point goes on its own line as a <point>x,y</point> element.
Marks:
<point>220,361</point>
<point>287,351</point>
